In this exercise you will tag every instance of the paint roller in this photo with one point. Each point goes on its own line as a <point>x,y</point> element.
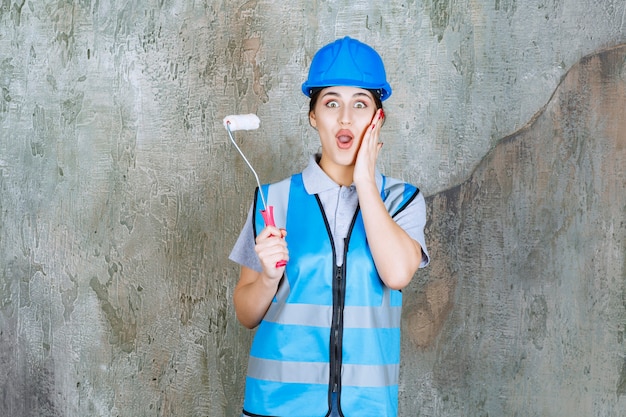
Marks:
<point>251,122</point>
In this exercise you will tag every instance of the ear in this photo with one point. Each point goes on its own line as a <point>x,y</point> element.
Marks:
<point>312,120</point>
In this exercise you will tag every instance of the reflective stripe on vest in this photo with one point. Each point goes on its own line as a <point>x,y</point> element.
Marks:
<point>313,373</point>
<point>289,369</point>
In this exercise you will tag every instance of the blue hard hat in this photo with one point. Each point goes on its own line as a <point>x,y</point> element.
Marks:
<point>347,62</point>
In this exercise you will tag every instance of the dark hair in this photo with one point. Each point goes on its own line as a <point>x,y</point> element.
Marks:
<point>315,95</point>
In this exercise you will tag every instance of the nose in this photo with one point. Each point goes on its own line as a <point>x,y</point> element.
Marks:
<point>345,116</point>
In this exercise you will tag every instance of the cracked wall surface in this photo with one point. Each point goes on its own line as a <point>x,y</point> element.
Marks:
<point>121,196</point>
<point>523,311</point>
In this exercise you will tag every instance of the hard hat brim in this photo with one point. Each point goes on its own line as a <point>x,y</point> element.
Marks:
<point>385,90</point>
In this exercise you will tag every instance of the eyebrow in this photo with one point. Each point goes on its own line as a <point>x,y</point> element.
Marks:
<point>357,94</point>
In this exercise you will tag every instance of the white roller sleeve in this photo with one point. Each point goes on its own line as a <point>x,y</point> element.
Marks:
<point>242,122</point>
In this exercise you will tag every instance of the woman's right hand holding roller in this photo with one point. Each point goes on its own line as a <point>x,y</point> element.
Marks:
<point>271,248</point>
<point>255,290</point>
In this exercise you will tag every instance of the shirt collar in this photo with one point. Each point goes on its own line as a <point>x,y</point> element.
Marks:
<point>317,181</point>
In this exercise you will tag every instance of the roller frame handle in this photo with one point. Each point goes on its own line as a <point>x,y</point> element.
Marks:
<point>268,217</point>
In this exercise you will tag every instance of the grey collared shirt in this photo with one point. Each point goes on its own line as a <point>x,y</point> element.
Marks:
<point>339,204</point>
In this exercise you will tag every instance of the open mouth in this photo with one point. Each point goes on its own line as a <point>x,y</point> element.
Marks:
<point>344,139</point>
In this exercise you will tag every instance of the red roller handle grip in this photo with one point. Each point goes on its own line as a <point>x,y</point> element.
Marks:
<point>268,217</point>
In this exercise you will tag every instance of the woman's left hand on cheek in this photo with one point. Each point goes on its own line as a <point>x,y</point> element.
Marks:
<point>365,165</point>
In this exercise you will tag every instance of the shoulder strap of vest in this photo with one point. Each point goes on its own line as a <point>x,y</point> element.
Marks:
<point>254,211</point>
<point>277,196</point>
<point>397,195</point>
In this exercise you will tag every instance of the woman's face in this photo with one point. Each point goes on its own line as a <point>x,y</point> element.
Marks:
<point>341,116</point>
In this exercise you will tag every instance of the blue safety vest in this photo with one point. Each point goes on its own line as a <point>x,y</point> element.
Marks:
<point>329,328</point>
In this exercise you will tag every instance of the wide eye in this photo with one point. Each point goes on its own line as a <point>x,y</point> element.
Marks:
<point>332,104</point>
<point>360,105</point>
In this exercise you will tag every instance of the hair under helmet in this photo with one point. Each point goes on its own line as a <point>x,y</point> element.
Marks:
<point>347,62</point>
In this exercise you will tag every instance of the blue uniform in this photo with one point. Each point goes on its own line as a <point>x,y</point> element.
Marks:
<point>333,326</point>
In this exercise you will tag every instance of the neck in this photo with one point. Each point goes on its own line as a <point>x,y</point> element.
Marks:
<point>342,175</point>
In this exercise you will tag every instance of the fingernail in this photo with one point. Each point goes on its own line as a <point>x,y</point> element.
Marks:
<point>382,113</point>
<point>373,126</point>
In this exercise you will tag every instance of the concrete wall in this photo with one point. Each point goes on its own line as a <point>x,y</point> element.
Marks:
<point>120,197</point>
<point>523,312</point>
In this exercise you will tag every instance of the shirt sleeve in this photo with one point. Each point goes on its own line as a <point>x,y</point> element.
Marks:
<point>413,220</point>
<point>243,252</point>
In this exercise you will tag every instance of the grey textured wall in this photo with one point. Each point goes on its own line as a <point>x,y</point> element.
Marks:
<point>120,197</point>
<point>523,312</point>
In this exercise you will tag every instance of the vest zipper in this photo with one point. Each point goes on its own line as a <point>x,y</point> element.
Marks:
<point>339,289</point>
<point>339,299</point>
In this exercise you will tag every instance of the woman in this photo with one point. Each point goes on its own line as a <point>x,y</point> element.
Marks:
<point>328,337</point>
